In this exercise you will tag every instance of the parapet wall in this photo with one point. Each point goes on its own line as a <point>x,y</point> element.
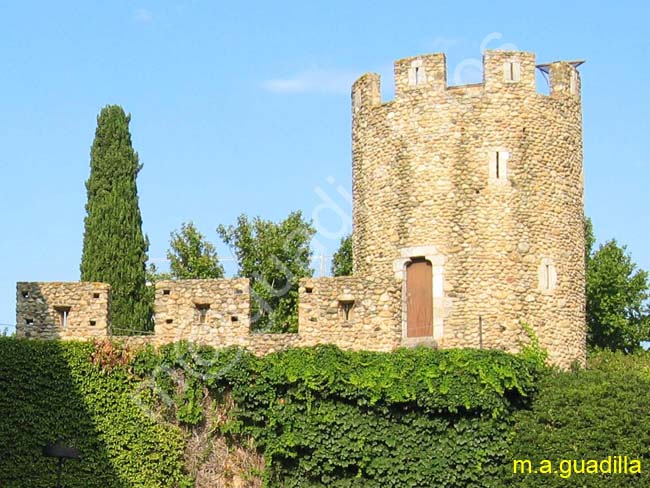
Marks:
<point>203,311</point>
<point>62,310</point>
<point>351,312</point>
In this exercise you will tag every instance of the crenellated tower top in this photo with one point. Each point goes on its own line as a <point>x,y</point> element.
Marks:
<point>503,71</point>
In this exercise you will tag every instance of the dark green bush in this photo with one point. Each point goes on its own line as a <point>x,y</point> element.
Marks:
<point>51,390</point>
<point>589,414</point>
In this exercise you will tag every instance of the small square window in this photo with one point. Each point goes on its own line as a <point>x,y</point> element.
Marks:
<point>202,311</point>
<point>25,294</point>
<point>95,295</point>
<point>93,323</point>
<point>29,321</point>
<point>167,292</point>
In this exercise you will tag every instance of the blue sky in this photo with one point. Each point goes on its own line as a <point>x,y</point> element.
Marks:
<point>244,107</point>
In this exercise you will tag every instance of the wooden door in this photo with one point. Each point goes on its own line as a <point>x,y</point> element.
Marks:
<point>419,303</point>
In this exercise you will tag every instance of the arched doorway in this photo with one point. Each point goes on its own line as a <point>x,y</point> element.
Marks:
<point>419,298</point>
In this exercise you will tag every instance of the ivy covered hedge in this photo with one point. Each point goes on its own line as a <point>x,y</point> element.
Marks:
<point>53,390</point>
<point>320,416</point>
<point>323,417</point>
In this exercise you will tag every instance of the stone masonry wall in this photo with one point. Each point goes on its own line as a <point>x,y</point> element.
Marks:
<point>62,310</point>
<point>203,311</point>
<point>425,181</point>
<point>217,313</point>
<point>373,321</point>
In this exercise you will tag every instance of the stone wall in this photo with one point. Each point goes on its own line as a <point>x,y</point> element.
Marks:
<point>487,180</point>
<point>62,310</point>
<point>351,312</point>
<point>217,313</point>
<point>203,311</point>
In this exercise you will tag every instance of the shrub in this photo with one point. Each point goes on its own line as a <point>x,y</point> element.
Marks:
<point>588,414</point>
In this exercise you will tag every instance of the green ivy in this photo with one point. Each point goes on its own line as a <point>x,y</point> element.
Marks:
<point>325,417</point>
<point>51,390</point>
<point>321,417</point>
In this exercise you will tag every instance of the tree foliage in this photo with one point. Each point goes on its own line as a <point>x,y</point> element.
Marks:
<point>618,316</point>
<point>274,256</point>
<point>583,415</point>
<point>342,259</point>
<point>114,247</point>
<point>192,256</point>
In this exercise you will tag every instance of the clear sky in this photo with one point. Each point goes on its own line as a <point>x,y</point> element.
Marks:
<point>245,107</point>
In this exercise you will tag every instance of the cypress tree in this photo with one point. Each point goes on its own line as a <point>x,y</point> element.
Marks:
<point>114,247</point>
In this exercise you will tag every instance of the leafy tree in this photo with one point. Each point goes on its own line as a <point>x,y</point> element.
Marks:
<point>618,316</point>
<point>274,256</point>
<point>192,256</point>
<point>342,259</point>
<point>114,247</point>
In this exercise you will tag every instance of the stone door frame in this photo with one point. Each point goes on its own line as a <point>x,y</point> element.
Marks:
<point>440,308</point>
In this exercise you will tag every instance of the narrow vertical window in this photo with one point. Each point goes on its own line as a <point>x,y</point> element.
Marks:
<point>64,314</point>
<point>512,71</point>
<point>573,82</point>
<point>356,101</point>
<point>547,275</point>
<point>416,73</point>
<point>496,166</point>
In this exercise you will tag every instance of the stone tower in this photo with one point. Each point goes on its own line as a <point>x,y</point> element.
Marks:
<point>472,197</point>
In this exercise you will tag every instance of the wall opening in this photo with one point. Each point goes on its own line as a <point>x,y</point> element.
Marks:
<point>202,312</point>
<point>512,71</point>
<point>419,298</point>
<point>573,82</point>
<point>63,313</point>
<point>498,166</point>
<point>547,275</point>
<point>356,100</point>
<point>416,73</point>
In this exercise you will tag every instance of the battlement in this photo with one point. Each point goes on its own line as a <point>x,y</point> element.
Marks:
<point>350,312</point>
<point>503,72</point>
